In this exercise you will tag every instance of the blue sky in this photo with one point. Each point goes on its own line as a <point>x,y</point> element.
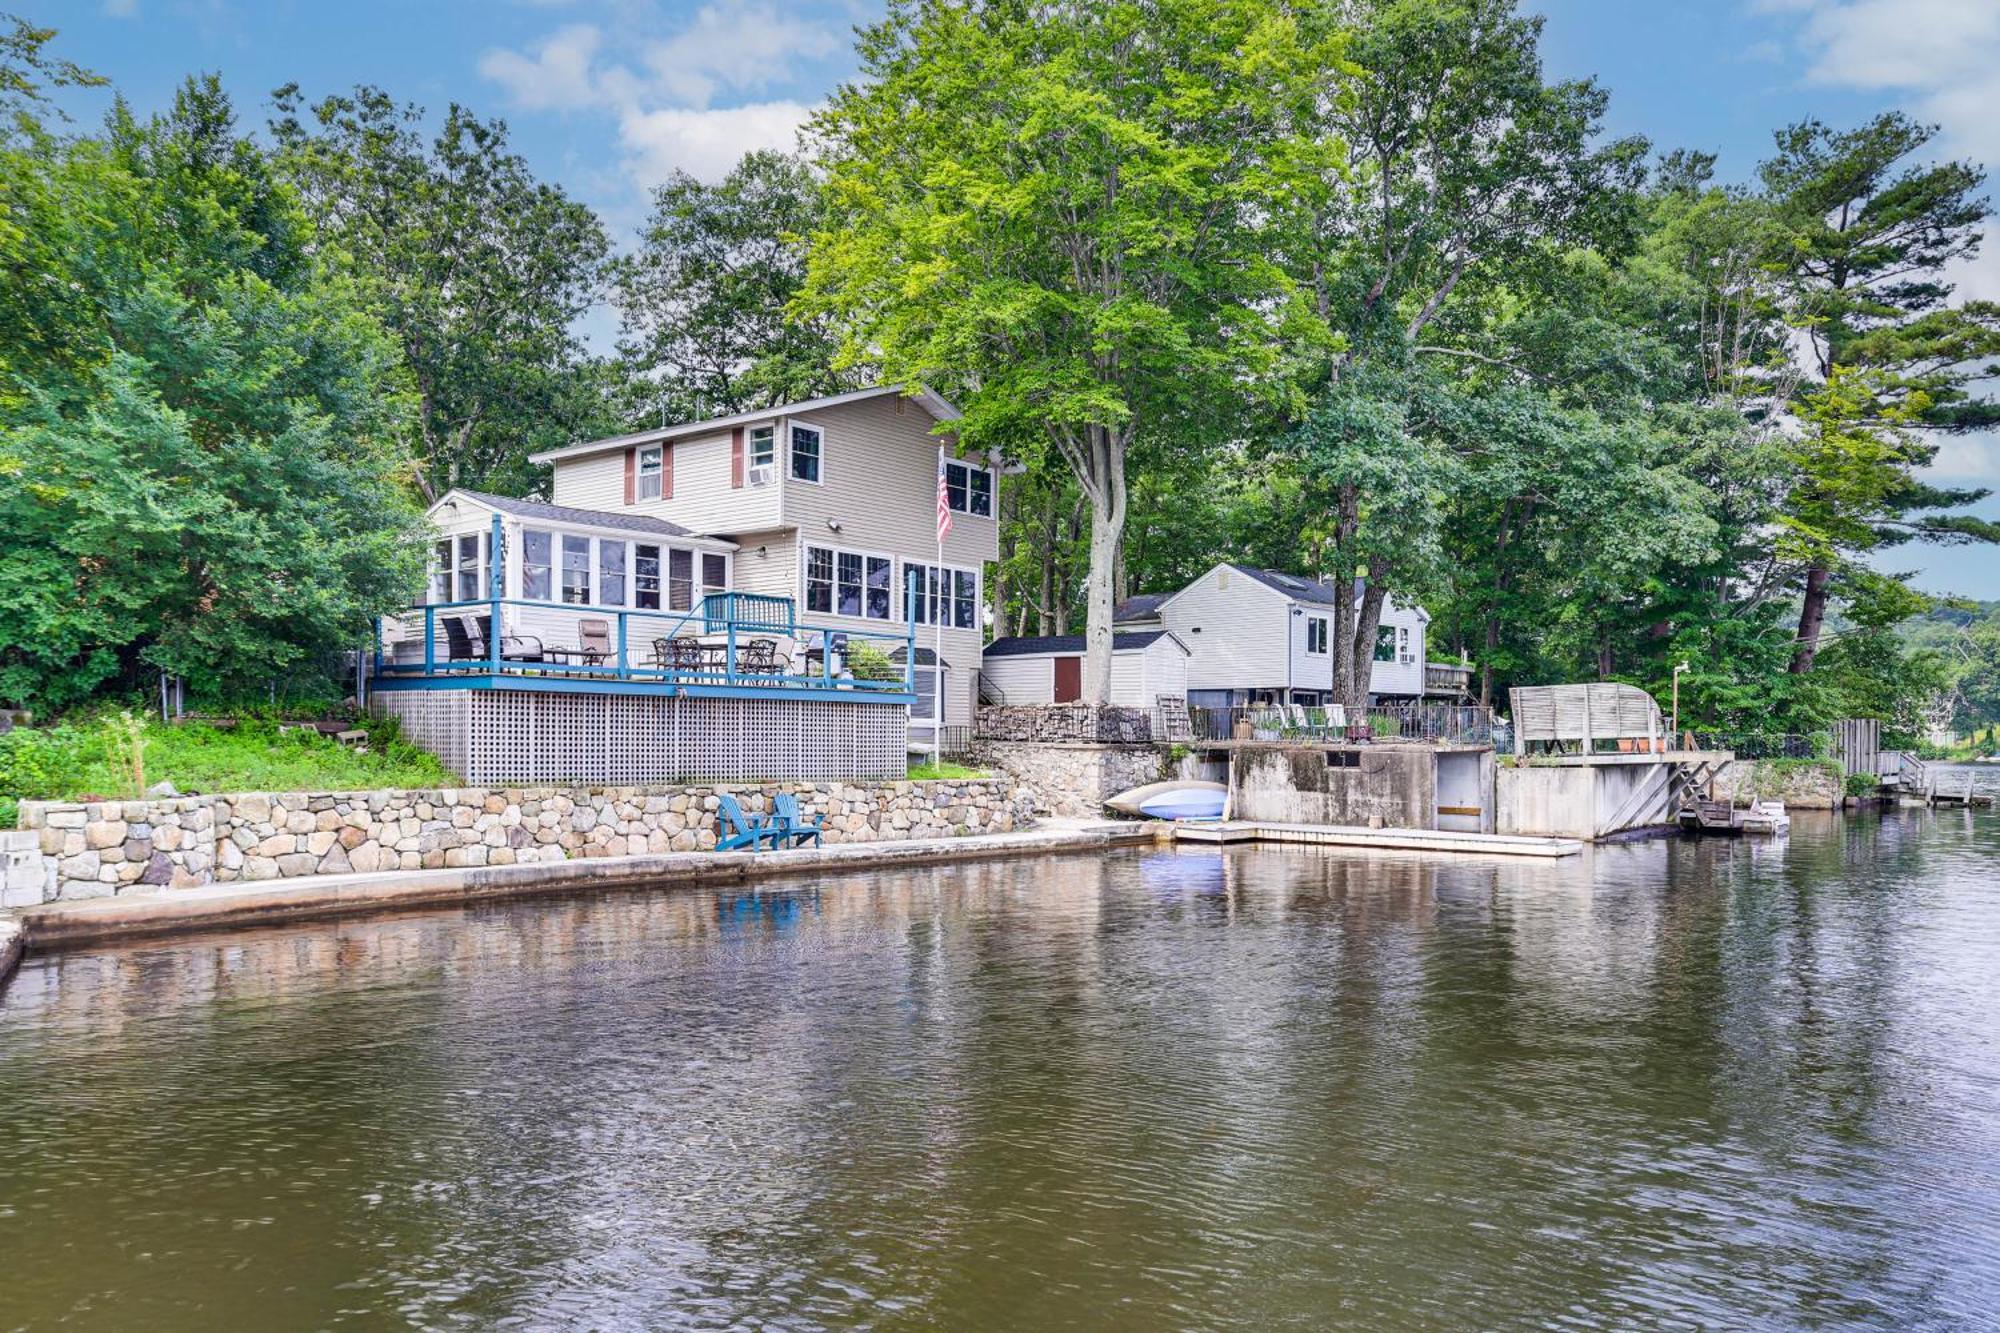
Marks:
<point>606,96</point>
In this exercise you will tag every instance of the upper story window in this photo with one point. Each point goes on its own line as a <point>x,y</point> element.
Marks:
<point>807,444</point>
<point>1392,644</point>
<point>610,572</point>
<point>968,488</point>
<point>763,447</point>
<point>1316,634</point>
<point>646,480</point>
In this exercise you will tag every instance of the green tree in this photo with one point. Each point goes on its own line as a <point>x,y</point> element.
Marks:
<point>1864,236</point>
<point>478,269</point>
<point>1059,212</point>
<point>705,299</point>
<point>199,455</point>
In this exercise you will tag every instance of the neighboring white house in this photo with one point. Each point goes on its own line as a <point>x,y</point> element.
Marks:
<point>1146,666</point>
<point>832,503</point>
<point>1258,636</point>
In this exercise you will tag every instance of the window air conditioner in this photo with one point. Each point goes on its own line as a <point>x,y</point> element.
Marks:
<point>762,474</point>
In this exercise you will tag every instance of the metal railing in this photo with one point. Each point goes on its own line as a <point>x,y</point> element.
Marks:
<point>1439,724</point>
<point>736,618</point>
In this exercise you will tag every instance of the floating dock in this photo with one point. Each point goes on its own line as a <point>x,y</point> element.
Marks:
<point>1376,839</point>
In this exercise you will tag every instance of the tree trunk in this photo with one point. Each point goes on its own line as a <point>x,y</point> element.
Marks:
<point>1346,521</point>
<point>1045,604</point>
<point>1107,529</point>
<point>1367,620</point>
<point>1812,615</point>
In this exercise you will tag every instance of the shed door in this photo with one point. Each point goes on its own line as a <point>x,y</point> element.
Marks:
<point>1069,680</point>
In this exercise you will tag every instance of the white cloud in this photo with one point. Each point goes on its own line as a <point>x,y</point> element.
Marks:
<point>121,9</point>
<point>737,46</point>
<point>664,108</point>
<point>556,77</point>
<point>706,142</point>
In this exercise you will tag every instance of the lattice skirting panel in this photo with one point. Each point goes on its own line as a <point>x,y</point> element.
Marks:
<point>498,736</point>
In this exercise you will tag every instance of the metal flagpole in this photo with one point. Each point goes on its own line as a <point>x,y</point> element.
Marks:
<point>937,620</point>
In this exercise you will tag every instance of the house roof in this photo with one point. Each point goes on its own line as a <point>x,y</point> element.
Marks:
<point>583,518</point>
<point>1143,607</point>
<point>931,402</point>
<point>1291,585</point>
<point>1033,644</point>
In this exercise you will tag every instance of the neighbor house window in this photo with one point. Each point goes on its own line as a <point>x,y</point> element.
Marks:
<point>849,583</point>
<point>646,577</point>
<point>1315,634</point>
<point>576,571</point>
<point>536,549</point>
<point>763,446</point>
<point>441,571</point>
<point>647,484</point>
<point>968,488</point>
<point>1403,643</point>
<point>806,442</point>
<point>1385,643</point>
<point>611,572</point>
<point>680,580</point>
<point>943,596</point>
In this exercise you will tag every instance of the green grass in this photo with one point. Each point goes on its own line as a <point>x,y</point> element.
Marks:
<point>944,769</point>
<point>94,757</point>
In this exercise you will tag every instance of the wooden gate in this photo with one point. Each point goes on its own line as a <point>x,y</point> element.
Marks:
<point>1857,744</point>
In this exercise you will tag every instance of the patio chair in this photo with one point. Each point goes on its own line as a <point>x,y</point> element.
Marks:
<point>789,823</point>
<point>457,639</point>
<point>513,647</point>
<point>742,830</point>
<point>760,658</point>
<point>593,643</point>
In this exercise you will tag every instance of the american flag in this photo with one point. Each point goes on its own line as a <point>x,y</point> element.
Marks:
<point>944,503</point>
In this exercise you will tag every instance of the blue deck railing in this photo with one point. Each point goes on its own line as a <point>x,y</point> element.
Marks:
<point>729,621</point>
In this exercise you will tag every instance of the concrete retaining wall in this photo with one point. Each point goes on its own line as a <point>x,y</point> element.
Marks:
<point>1074,780</point>
<point>103,849</point>
<point>1304,785</point>
<point>1583,800</point>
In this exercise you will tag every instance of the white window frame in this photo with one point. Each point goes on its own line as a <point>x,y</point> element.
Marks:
<point>659,576</point>
<point>791,463</point>
<point>992,492</point>
<point>770,458</point>
<point>833,600</point>
<point>1316,627</point>
<point>648,475</point>
<point>551,567</point>
<point>978,591</point>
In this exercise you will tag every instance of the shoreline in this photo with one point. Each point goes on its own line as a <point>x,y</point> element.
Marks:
<point>305,898</point>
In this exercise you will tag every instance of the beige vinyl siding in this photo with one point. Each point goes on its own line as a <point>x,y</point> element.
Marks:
<point>879,482</point>
<point>1401,677</point>
<point>1023,680</point>
<point>704,501</point>
<point>1235,627</point>
<point>1165,673</point>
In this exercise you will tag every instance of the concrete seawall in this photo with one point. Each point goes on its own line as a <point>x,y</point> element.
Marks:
<point>324,897</point>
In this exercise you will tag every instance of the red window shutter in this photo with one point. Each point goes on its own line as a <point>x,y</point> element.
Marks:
<point>667,471</point>
<point>736,457</point>
<point>631,473</point>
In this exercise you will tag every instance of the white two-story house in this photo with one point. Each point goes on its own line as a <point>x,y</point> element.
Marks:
<point>832,503</point>
<point>1256,636</point>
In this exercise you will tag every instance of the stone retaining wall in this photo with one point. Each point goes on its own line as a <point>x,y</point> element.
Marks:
<point>1074,780</point>
<point>1802,784</point>
<point>106,848</point>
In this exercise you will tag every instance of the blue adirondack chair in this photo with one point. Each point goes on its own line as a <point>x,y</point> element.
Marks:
<point>743,830</point>
<point>789,823</point>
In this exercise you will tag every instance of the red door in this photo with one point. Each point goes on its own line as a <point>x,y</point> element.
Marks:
<point>1069,679</point>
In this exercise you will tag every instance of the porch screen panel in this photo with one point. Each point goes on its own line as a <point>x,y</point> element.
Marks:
<point>611,572</point>
<point>819,580</point>
<point>714,573</point>
<point>849,566</point>
<point>680,580</point>
<point>576,571</point>
<point>470,583</point>
<point>536,564</point>
<point>646,578</point>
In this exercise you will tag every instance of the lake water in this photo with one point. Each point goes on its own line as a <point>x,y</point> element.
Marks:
<point>1665,1084</point>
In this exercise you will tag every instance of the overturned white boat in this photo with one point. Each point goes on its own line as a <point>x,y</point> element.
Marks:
<point>1171,800</point>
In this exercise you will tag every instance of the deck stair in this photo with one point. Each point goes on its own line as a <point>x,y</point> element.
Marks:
<point>1174,721</point>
